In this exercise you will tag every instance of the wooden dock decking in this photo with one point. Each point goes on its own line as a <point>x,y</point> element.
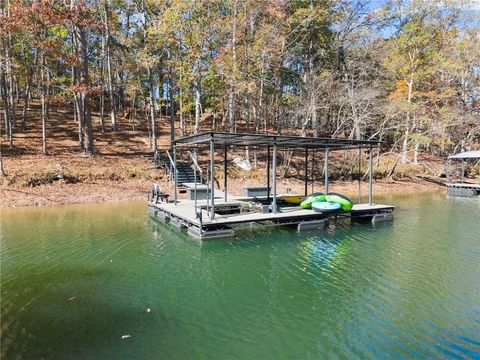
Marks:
<point>200,225</point>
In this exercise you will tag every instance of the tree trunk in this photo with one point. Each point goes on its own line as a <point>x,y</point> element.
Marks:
<point>415,153</point>
<point>43,100</point>
<point>153,139</point>
<point>113,114</point>
<point>26,99</point>
<point>231,95</point>
<point>182,120</point>
<point>25,104</point>
<point>83,82</point>
<point>407,122</point>
<point>78,108</point>
<point>10,82</point>
<point>172,106</point>
<point>102,83</point>
<point>2,171</point>
<point>198,97</point>
<point>6,107</point>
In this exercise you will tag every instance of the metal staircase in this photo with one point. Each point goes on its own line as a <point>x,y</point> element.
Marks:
<point>185,172</point>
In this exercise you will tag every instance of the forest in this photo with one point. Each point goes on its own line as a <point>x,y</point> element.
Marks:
<point>405,72</point>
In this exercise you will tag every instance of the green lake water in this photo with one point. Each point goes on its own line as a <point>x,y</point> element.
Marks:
<point>76,279</point>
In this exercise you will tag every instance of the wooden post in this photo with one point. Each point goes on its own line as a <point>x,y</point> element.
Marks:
<point>274,163</point>
<point>225,171</point>
<point>212,175</point>
<point>306,171</point>
<point>326,171</point>
<point>370,177</point>
<point>175,174</point>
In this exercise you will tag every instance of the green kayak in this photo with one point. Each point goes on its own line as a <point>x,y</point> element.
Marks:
<point>309,199</point>
<point>340,199</point>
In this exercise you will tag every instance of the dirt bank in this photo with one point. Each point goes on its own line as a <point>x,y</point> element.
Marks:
<point>128,190</point>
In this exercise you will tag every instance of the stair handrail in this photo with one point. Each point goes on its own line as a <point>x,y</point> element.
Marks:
<point>172,164</point>
<point>195,164</point>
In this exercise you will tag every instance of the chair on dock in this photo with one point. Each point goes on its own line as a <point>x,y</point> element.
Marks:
<point>158,195</point>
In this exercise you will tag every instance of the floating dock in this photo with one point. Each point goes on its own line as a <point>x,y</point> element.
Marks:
<point>210,213</point>
<point>229,215</point>
<point>463,189</point>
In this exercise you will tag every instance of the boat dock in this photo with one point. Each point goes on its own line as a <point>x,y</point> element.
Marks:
<point>210,212</point>
<point>237,211</point>
<point>463,189</point>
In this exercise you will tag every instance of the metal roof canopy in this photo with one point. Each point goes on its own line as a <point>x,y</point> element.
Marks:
<point>467,155</point>
<point>275,141</point>
<point>224,138</point>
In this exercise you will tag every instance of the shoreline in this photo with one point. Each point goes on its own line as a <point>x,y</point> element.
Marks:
<point>136,190</point>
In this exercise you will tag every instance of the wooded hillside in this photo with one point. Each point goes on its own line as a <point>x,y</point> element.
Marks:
<point>406,72</point>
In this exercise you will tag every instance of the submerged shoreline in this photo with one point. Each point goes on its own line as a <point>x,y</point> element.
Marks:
<point>132,190</point>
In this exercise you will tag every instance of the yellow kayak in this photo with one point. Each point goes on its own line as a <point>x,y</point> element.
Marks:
<point>291,199</point>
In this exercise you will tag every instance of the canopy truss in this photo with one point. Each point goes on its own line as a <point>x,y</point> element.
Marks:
<point>281,141</point>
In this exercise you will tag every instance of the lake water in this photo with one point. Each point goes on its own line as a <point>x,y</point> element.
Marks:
<point>76,279</point>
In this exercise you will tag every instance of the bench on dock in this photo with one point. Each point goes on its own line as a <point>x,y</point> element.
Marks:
<point>203,192</point>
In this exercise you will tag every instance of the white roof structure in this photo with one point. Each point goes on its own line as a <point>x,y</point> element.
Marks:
<point>467,155</point>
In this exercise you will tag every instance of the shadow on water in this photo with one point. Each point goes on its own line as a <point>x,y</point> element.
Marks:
<point>68,314</point>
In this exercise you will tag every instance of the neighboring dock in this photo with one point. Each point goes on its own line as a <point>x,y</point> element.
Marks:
<point>212,214</point>
<point>463,189</point>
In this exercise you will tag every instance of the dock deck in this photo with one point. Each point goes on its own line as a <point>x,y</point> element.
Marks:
<point>200,225</point>
<point>463,189</point>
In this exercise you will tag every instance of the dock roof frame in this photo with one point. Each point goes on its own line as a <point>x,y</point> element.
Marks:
<point>225,139</point>
<point>281,141</point>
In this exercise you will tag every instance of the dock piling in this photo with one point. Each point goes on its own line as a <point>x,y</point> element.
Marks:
<point>370,177</point>
<point>175,174</point>
<point>274,163</point>
<point>225,171</point>
<point>306,171</point>
<point>212,175</point>
<point>326,171</point>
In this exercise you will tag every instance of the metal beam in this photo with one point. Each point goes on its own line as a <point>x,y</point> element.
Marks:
<point>225,171</point>
<point>313,169</point>
<point>274,163</point>
<point>359,175</point>
<point>268,172</point>
<point>370,177</point>
<point>280,140</point>
<point>212,175</point>
<point>326,170</point>
<point>306,171</point>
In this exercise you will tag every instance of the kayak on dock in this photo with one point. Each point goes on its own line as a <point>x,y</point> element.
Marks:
<point>309,199</point>
<point>344,201</point>
<point>291,199</point>
<point>325,206</point>
<point>333,198</point>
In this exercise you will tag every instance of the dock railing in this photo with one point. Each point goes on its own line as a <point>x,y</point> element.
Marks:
<point>172,166</point>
